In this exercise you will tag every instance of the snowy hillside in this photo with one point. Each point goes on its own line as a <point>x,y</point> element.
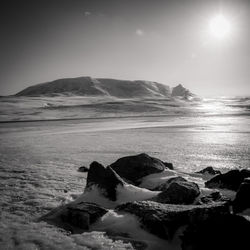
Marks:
<point>88,86</point>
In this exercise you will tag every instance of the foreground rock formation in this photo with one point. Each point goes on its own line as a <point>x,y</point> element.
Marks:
<point>176,207</point>
<point>164,220</point>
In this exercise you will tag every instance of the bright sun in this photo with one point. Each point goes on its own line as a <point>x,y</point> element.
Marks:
<point>219,27</point>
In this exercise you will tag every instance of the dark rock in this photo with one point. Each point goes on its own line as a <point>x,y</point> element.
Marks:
<point>133,168</point>
<point>83,169</point>
<point>104,178</point>
<point>247,180</point>
<point>164,220</point>
<point>179,192</point>
<point>165,185</point>
<point>213,197</point>
<point>245,173</point>
<point>242,198</point>
<point>169,165</point>
<point>230,180</point>
<point>209,170</point>
<point>218,232</point>
<point>75,216</point>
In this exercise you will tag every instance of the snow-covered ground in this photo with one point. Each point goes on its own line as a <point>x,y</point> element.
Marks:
<point>39,160</point>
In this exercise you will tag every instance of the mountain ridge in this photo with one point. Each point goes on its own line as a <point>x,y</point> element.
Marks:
<point>89,86</point>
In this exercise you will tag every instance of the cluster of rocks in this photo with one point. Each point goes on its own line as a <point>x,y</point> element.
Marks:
<point>235,180</point>
<point>177,203</point>
<point>230,180</point>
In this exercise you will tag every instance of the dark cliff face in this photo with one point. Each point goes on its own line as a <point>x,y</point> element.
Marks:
<point>87,86</point>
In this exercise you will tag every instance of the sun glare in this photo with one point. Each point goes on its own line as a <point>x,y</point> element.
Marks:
<point>219,27</point>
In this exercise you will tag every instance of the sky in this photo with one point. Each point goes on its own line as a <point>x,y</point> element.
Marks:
<point>168,41</point>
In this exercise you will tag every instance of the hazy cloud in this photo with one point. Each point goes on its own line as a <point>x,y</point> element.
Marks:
<point>139,32</point>
<point>193,55</point>
<point>87,13</point>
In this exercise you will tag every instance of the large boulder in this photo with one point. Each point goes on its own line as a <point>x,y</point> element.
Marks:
<point>242,198</point>
<point>106,179</point>
<point>230,180</point>
<point>164,220</point>
<point>209,170</point>
<point>178,191</point>
<point>75,217</point>
<point>133,168</point>
<point>217,233</point>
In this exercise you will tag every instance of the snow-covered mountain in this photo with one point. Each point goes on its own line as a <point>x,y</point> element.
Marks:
<point>88,86</point>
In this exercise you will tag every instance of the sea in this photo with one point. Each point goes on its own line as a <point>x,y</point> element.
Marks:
<point>44,140</point>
